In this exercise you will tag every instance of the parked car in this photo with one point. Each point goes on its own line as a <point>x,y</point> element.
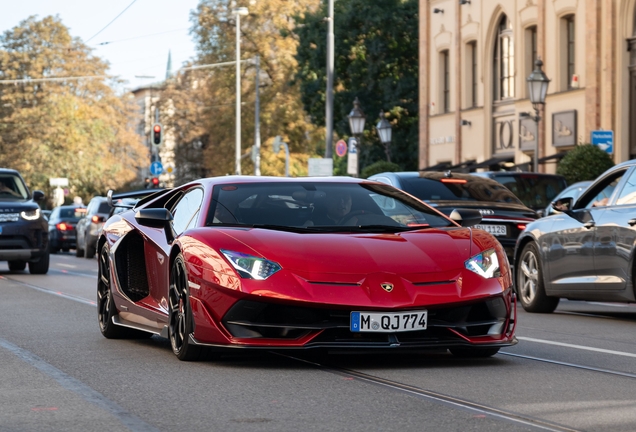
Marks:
<point>586,250</point>
<point>535,190</point>
<point>234,261</point>
<point>89,226</point>
<point>504,216</point>
<point>62,222</point>
<point>23,230</point>
<point>573,191</point>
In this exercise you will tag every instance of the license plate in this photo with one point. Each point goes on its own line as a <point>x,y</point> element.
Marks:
<point>497,230</point>
<point>388,322</point>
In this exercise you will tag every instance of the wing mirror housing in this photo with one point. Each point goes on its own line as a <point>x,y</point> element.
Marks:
<point>157,218</point>
<point>466,217</point>
<point>38,195</point>
<point>562,205</point>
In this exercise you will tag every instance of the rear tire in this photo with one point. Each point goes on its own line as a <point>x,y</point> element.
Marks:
<point>89,250</point>
<point>17,265</point>
<point>79,252</point>
<point>41,266</point>
<point>530,288</point>
<point>463,352</point>
<point>180,314</point>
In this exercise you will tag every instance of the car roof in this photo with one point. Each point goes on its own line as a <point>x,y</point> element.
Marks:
<point>8,171</point>
<point>434,175</point>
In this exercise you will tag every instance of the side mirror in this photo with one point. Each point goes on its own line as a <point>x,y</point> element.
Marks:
<point>38,196</point>
<point>466,217</point>
<point>157,218</point>
<point>109,197</point>
<point>562,205</point>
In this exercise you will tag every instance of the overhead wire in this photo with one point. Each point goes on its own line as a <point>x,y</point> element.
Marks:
<point>112,21</point>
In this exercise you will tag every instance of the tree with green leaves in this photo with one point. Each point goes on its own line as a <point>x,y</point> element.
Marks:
<point>376,60</point>
<point>76,127</point>
<point>584,162</point>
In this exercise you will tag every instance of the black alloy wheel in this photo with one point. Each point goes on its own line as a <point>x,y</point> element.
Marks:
<point>106,309</point>
<point>180,314</point>
<point>530,287</point>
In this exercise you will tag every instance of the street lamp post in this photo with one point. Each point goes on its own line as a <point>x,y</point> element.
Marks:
<point>356,124</point>
<point>238,12</point>
<point>384,132</point>
<point>537,88</point>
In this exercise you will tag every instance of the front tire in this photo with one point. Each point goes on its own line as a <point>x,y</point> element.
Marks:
<point>530,287</point>
<point>89,250</point>
<point>41,266</point>
<point>17,265</point>
<point>180,314</point>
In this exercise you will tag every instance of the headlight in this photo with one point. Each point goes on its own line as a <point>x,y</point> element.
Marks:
<point>485,264</point>
<point>251,267</point>
<point>31,214</point>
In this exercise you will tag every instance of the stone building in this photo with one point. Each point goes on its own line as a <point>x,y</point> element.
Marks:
<point>475,56</point>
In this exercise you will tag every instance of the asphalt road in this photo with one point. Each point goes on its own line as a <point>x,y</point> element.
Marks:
<point>574,369</point>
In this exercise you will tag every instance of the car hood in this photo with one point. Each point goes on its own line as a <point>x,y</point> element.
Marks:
<point>7,206</point>
<point>312,255</point>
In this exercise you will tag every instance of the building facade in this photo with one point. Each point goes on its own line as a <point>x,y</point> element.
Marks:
<point>475,56</point>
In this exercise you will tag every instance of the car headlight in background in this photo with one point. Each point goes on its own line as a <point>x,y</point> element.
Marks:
<point>485,264</point>
<point>251,267</point>
<point>30,214</point>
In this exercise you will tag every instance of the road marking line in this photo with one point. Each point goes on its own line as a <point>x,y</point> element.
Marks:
<point>581,347</point>
<point>67,265</point>
<point>74,385</point>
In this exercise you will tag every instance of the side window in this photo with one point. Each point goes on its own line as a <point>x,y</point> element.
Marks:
<point>628,194</point>
<point>186,210</point>
<point>601,194</point>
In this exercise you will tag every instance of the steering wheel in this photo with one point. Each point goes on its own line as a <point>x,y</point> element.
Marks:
<point>349,218</point>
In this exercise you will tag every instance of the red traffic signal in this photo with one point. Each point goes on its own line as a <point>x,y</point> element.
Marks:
<point>157,134</point>
<point>155,182</point>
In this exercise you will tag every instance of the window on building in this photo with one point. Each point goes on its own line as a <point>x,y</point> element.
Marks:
<point>504,62</point>
<point>472,73</point>
<point>445,78</point>
<point>531,44</point>
<point>568,40</point>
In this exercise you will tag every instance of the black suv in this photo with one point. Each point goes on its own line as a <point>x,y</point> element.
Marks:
<point>536,190</point>
<point>503,215</point>
<point>24,236</point>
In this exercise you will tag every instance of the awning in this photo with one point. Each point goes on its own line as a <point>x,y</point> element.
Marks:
<point>556,156</point>
<point>496,160</point>
<point>462,167</point>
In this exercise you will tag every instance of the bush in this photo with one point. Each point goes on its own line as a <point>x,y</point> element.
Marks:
<point>584,162</point>
<point>379,167</point>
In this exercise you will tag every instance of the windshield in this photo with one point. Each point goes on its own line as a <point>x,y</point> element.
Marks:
<point>535,191</point>
<point>12,188</point>
<point>319,206</point>
<point>458,189</point>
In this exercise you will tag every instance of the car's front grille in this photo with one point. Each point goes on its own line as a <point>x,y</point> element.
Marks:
<point>9,217</point>
<point>251,319</point>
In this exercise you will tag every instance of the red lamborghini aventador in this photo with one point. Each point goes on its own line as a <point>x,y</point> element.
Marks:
<point>282,263</point>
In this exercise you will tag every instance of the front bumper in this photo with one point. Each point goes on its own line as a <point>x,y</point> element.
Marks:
<point>253,323</point>
<point>23,241</point>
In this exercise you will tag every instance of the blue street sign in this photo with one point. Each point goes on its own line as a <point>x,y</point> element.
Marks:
<point>156,168</point>
<point>604,140</point>
<point>353,143</point>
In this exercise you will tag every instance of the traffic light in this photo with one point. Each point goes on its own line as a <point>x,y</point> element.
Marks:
<point>157,134</point>
<point>155,182</point>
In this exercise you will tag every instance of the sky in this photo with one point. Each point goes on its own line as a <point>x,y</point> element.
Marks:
<point>139,39</point>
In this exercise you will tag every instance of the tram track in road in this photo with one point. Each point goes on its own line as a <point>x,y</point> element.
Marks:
<point>455,402</point>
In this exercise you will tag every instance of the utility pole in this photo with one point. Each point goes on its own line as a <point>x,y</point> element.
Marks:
<point>329,104</point>
<point>257,119</point>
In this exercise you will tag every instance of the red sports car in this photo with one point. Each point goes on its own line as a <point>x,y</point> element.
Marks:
<point>297,263</point>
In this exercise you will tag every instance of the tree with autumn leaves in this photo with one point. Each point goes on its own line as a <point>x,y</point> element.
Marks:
<point>199,105</point>
<point>74,128</point>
